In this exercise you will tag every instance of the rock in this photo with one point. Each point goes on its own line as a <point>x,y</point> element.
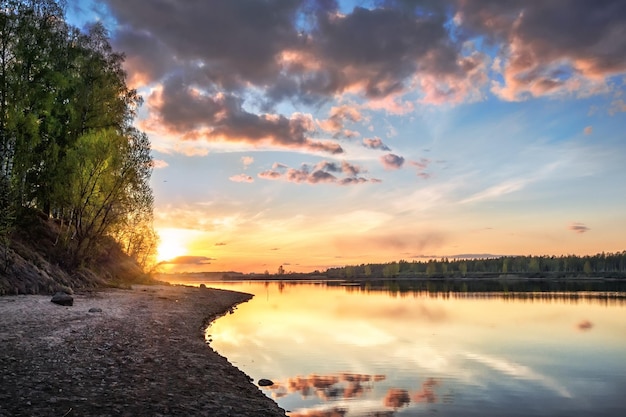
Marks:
<point>265,383</point>
<point>95,310</point>
<point>63,299</point>
<point>203,286</point>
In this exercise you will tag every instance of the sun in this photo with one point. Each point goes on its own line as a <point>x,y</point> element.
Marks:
<point>171,246</point>
<point>169,250</point>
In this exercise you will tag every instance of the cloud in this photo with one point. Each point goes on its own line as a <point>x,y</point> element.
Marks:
<point>247,161</point>
<point>241,178</point>
<point>193,114</point>
<point>588,130</point>
<point>322,172</point>
<point>220,244</point>
<point>270,175</point>
<point>617,106</point>
<point>543,49</point>
<point>422,165</point>
<point>159,164</point>
<point>219,70</point>
<point>189,260</point>
<point>392,161</point>
<point>498,190</point>
<point>399,241</point>
<point>375,143</point>
<point>337,119</point>
<point>376,53</point>
<point>578,227</point>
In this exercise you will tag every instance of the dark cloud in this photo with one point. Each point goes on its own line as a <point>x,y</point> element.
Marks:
<point>201,33</point>
<point>322,172</point>
<point>221,244</point>
<point>375,143</point>
<point>226,65</point>
<point>194,114</point>
<point>578,228</point>
<point>551,47</point>
<point>308,51</point>
<point>189,260</point>
<point>392,161</point>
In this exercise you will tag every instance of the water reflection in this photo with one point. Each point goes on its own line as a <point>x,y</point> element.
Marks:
<point>349,386</point>
<point>357,351</point>
<point>327,387</point>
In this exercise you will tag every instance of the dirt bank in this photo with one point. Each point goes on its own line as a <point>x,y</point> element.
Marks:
<point>143,354</point>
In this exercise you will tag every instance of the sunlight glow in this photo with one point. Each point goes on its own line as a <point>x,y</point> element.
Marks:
<point>172,245</point>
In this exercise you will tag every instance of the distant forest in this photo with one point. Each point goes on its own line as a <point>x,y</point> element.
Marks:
<point>68,149</point>
<point>605,265</point>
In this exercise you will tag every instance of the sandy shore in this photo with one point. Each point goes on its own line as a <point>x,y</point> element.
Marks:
<point>143,354</point>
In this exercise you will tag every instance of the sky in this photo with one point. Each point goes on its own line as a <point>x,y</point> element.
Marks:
<point>313,134</point>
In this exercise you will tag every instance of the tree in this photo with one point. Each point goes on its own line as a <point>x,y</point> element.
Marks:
<point>463,268</point>
<point>367,270</point>
<point>431,268</point>
<point>67,145</point>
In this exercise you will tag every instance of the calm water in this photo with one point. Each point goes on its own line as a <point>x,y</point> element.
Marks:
<point>352,351</point>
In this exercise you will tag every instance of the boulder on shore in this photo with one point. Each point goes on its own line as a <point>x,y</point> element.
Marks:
<point>265,383</point>
<point>62,299</point>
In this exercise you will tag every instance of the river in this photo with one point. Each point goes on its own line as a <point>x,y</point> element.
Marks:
<point>366,350</point>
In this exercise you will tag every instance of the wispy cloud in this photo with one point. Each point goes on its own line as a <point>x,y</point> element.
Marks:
<point>189,260</point>
<point>498,190</point>
<point>579,228</point>
<point>241,178</point>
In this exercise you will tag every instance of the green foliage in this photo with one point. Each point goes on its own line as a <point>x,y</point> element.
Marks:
<point>67,145</point>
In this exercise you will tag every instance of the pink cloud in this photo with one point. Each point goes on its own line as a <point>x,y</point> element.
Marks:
<point>338,117</point>
<point>159,164</point>
<point>392,161</point>
<point>247,161</point>
<point>241,178</point>
<point>375,143</point>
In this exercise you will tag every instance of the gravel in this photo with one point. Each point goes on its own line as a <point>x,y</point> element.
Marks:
<point>138,352</point>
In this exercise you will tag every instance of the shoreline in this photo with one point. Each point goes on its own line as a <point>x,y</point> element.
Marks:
<point>143,353</point>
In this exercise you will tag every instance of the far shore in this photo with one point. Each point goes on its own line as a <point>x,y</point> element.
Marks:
<point>138,352</point>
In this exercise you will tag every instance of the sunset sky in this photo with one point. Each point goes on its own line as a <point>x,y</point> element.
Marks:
<point>312,134</point>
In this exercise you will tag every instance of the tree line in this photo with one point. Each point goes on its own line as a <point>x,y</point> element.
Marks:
<point>599,265</point>
<point>67,144</point>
